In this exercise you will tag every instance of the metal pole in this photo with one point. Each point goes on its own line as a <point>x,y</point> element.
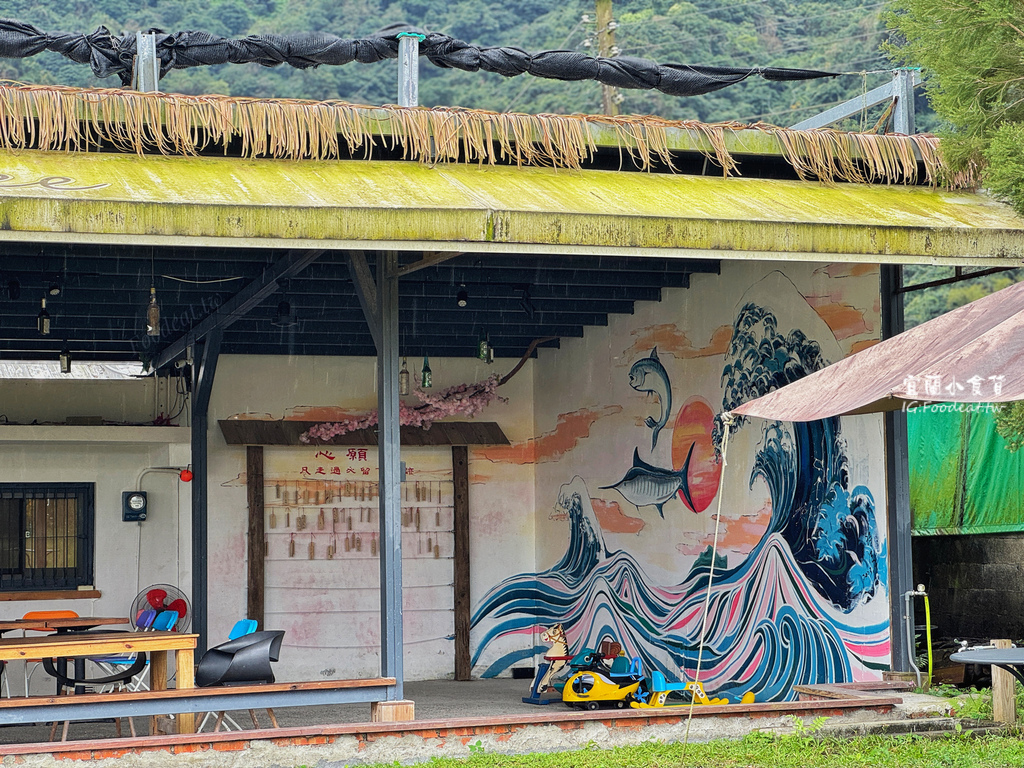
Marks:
<point>900,79</point>
<point>205,354</point>
<point>903,89</point>
<point>897,485</point>
<point>409,68</point>
<point>146,76</point>
<point>389,458</point>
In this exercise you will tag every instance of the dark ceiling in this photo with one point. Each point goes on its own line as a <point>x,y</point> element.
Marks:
<point>513,299</point>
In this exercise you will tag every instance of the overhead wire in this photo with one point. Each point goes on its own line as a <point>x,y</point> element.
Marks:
<point>202,282</point>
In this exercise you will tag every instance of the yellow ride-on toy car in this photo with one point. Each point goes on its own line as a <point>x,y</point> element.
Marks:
<point>593,683</point>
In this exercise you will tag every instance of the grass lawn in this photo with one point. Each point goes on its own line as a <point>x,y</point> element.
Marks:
<point>765,751</point>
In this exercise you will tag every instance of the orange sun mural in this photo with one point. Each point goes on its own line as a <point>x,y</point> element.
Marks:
<point>693,427</point>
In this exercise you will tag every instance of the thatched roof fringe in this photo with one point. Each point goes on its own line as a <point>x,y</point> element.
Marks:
<point>74,120</point>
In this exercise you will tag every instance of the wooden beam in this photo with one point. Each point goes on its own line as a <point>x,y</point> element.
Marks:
<point>287,432</point>
<point>63,594</point>
<point>429,260</point>
<point>257,543</point>
<point>366,292</point>
<point>460,481</point>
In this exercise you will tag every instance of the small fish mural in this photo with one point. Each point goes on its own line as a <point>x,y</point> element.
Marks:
<point>649,375</point>
<point>648,486</point>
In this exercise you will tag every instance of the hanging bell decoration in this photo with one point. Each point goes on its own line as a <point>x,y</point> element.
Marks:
<point>152,314</point>
<point>427,380</point>
<point>403,379</point>
<point>43,320</point>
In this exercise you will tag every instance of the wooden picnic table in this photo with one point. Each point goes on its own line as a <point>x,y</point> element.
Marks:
<point>61,626</point>
<point>83,622</point>
<point>92,644</point>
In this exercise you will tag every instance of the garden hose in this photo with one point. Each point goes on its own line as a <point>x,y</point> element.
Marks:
<point>927,631</point>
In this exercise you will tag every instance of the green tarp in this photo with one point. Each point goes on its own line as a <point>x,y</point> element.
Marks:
<point>962,478</point>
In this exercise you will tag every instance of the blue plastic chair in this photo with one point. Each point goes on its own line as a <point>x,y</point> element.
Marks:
<point>165,621</point>
<point>147,621</point>
<point>242,627</point>
<point>109,664</point>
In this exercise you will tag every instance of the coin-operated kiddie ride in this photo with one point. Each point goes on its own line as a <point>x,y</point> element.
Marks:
<point>607,678</point>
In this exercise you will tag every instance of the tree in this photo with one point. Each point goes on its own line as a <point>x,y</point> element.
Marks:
<point>972,54</point>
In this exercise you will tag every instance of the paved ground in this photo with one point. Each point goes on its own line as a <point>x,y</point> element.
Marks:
<point>435,699</point>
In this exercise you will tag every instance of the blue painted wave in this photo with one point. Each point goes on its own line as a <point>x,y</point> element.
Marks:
<point>777,619</point>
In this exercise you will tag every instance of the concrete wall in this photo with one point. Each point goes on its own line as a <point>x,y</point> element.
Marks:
<point>625,525</point>
<point>329,606</point>
<point>975,584</point>
<point>128,556</point>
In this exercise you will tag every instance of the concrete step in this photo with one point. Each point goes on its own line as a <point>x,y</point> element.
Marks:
<point>920,726</point>
<point>928,727</point>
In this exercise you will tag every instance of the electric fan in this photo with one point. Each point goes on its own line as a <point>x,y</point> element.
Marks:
<point>163,597</point>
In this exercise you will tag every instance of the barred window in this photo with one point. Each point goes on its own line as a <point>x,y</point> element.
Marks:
<point>46,535</point>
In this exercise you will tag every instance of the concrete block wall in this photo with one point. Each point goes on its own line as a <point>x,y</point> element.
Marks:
<point>975,584</point>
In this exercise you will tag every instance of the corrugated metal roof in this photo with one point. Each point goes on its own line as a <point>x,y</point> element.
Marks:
<point>113,198</point>
<point>973,354</point>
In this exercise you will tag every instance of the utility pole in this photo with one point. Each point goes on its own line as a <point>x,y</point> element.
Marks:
<point>606,47</point>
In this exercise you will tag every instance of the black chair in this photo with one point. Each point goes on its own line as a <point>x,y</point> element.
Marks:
<point>242,661</point>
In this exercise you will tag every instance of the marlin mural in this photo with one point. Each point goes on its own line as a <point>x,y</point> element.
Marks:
<point>644,485</point>
<point>649,375</point>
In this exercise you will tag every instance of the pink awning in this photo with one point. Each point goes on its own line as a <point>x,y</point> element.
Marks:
<point>974,354</point>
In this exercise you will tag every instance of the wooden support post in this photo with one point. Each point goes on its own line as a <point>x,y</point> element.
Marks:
<point>1004,709</point>
<point>257,543</point>
<point>460,502</point>
<point>605,48</point>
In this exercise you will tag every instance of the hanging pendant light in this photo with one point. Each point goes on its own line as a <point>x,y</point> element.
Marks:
<point>43,320</point>
<point>65,358</point>
<point>403,379</point>
<point>427,380</point>
<point>285,317</point>
<point>152,314</point>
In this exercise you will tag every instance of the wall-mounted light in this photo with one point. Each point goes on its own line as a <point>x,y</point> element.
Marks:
<point>43,319</point>
<point>54,288</point>
<point>462,298</point>
<point>65,358</point>
<point>426,377</point>
<point>152,314</point>
<point>403,379</point>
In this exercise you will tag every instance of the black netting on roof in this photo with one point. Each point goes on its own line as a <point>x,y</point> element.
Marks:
<point>109,55</point>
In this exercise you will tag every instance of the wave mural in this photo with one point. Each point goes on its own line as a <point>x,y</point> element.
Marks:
<point>793,611</point>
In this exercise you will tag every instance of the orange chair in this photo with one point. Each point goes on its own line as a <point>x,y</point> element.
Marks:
<point>31,665</point>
